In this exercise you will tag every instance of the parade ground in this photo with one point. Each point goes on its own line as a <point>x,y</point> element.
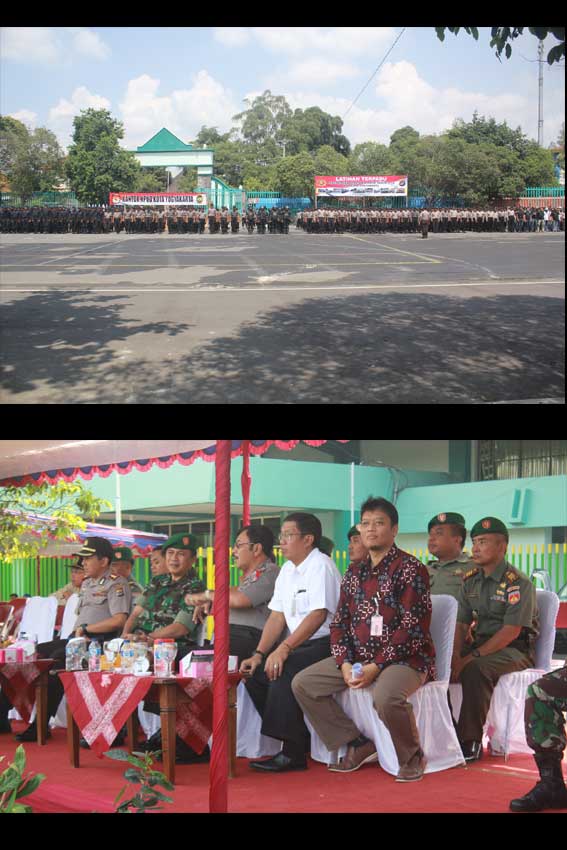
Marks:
<point>299,319</point>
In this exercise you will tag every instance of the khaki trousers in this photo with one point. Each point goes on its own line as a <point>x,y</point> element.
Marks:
<point>314,688</point>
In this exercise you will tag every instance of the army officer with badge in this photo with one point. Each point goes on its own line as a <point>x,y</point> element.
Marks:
<point>447,535</point>
<point>504,600</point>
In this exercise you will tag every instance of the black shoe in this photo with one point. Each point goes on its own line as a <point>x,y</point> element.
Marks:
<point>184,754</point>
<point>30,734</point>
<point>472,750</point>
<point>545,795</point>
<point>5,726</point>
<point>118,741</point>
<point>153,744</point>
<point>279,764</point>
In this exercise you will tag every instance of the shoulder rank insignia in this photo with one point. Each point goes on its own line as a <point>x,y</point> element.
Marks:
<point>102,581</point>
<point>470,573</point>
<point>512,576</point>
<point>113,577</point>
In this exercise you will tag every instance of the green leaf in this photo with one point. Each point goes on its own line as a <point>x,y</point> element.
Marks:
<point>31,785</point>
<point>9,780</point>
<point>133,775</point>
<point>124,755</point>
<point>20,759</point>
<point>159,796</point>
<point>120,794</point>
<point>508,51</point>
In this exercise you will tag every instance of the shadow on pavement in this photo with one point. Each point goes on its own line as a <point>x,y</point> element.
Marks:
<point>390,348</point>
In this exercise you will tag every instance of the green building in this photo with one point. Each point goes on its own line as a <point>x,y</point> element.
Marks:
<point>523,482</point>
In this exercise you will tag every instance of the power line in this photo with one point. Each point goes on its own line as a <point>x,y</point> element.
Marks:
<point>375,72</point>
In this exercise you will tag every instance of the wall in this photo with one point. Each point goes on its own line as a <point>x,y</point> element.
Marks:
<point>430,455</point>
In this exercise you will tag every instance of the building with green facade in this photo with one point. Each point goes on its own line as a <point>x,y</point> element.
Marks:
<point>523,482</point>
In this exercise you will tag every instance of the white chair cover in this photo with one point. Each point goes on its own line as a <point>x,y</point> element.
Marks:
<point>433,718</point>
<point>69,616</point>
<point>38,619</point>
<point>504,726</point>
<point>250,743</point>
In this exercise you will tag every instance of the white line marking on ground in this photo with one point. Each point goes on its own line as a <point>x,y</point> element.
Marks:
<point>223,288</point>
<point>80,253</point>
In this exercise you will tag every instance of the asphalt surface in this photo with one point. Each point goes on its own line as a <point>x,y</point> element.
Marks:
<point>297,319</point>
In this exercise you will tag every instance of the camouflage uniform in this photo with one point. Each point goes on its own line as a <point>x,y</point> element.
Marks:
<point>163,604</point>
<point>545,734</point>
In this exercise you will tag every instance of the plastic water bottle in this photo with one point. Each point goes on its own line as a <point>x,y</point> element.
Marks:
<point>127,653</point>
<point>357,671</point>
<point>94,656</point>
<point>74,653</point>
<point>165,650</point>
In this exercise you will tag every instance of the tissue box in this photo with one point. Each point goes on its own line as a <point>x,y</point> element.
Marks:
<point>199,664</point>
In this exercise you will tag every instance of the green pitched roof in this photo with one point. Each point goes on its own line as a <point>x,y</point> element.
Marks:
<point>164,141</point>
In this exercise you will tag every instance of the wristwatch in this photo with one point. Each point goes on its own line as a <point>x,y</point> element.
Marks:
<point>476,654</point>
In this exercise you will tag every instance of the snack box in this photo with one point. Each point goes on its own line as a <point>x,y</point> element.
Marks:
<point>199,664</point>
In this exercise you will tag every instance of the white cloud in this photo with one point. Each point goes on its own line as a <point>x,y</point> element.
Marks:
<point>88,43</point>
<point>49,46</point>
<point>60,118</point>
<point>26,116</point>
<point>183,111</point>
<point>232,36</point>
<point>332,40</point>
<point>29,44</point>
<point>312,72</point>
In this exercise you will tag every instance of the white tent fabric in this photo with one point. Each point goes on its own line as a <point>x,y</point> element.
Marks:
<point>433,718</point>
<point>38,619</point>
<point>69,616</point>
<point>24,457</point>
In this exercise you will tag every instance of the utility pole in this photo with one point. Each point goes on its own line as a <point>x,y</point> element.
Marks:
<point>540,100</point>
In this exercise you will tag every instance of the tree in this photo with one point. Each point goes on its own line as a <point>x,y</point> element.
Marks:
<point>502,36</point>
<point>31,162</point>
<point>538,167</point>
<point>187,182</point>
<point>560,143</point>
<point>295,176</point>
<point>151,180</point>
<point>372,158</point>
<point>68,505</point>
<point>328,161</point>
<point>209,137</point>
<point>263,119</point>
<point>312,128</point>
<point>96,164</point>
<point>482,130</point>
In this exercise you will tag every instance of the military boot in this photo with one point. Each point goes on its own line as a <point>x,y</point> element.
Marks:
<point>550,792</point>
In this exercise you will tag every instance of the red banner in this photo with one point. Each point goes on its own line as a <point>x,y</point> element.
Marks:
<point>361,185</point>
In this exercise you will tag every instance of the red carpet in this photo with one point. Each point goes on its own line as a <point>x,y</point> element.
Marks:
<point>486,786</point>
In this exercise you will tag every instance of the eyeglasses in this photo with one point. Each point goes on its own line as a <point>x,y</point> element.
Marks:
<point>289,534</point>
<point>369,523</point>
<point>240,545</point>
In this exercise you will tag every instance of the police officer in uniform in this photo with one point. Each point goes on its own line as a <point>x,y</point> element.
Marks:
<point>77,578</point>
<point>447,535</point>
<point>104,603</point>
<point>504,600</point>
<point>122,565</point>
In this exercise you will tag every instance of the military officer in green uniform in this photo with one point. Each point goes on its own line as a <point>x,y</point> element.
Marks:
<point>504,602</point>
<point>447,535</point>
<point>122,564</point>
<point>161,612</point>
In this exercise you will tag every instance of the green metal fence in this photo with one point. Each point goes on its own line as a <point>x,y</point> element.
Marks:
<point>21,576</point>
<point>544,192</point>
<point>40,199</point>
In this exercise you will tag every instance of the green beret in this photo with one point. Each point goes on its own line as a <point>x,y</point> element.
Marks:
<point>123,553</point>
<point>353,532</point>
<point>489,525</point>
<point>446,519</point>
<point>181,541</point>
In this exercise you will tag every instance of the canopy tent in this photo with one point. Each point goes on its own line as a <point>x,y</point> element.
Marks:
<point>29,461</point>
<point>140,542</point>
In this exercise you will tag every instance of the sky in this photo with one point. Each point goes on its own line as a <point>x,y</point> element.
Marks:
<point>184,77</point>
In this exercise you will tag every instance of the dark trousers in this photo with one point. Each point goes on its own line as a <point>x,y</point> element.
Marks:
<point>243,640</point>
<point>282,717</point>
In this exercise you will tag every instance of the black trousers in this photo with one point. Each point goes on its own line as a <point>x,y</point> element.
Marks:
<point>282,717</point>
<point>243,640</point>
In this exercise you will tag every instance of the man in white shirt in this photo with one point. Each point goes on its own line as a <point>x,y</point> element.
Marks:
<point>295,636</point>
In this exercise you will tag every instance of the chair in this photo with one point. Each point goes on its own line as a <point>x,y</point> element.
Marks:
<point>38,619</point>
<point>433,717</point>
<point>504,725</point>
<point>6,613</point>
<point>250,743</point>
<point>59,719</point>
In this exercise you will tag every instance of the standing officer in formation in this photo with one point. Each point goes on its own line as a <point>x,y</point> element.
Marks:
<point>503,601</point>
<point>447,535</point>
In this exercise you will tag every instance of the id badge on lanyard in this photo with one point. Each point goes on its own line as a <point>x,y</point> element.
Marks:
<point>377,621</point>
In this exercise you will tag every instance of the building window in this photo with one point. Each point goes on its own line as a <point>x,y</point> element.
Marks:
<point>272,522</point>
<point>559,534</point>
<point>501,459</point>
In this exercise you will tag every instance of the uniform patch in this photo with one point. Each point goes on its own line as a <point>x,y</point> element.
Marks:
<point>458,573</point>
<point>442,517</point>
<point>486,523</point>
<point>186,541</point>
<point>498,598</point>
<point>120,591</point>
<point>471,573</point>
<point>511,576</point>
<point>117,556</point>
<point>514,597</point>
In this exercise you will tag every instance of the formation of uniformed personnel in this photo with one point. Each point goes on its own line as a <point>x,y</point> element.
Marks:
<point>55,220</point>
<point>503,601</point>
<point>102,610</point>
<point>447,535</point>
<point>122,565</point>
<point>544,718</point>
<point>74,586</point>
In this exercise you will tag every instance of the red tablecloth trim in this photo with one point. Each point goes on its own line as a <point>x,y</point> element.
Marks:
<point>18,680</point>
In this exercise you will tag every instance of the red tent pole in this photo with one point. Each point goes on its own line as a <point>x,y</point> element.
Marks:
<point>246,481</point>
<point>218,771</point>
